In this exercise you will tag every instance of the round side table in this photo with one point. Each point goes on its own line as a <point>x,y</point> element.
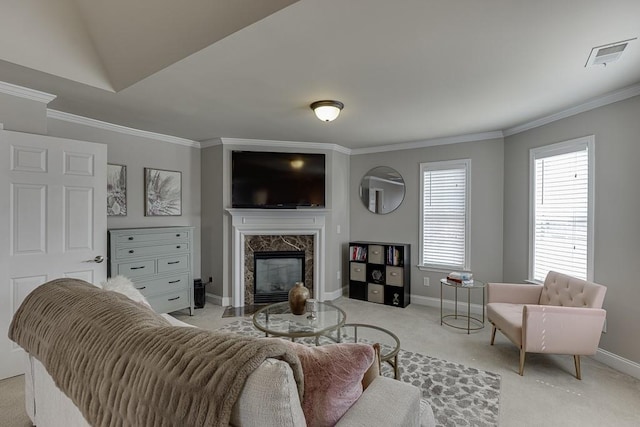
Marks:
<point>477,323</point>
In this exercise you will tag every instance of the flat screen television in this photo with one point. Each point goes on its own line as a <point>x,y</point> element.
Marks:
<point>277,180</point>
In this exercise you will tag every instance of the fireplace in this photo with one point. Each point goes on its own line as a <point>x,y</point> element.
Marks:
<point>275,273</point>
<point>277,230</point>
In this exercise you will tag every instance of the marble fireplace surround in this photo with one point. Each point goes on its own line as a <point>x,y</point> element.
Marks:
<point>268,243</point>
<point>276,222</point>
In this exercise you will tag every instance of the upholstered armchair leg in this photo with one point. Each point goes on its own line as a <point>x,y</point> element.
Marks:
<point>522,355</point>
<point>576,361</point>
<point>493,333</point>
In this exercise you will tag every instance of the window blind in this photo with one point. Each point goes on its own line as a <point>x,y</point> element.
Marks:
<point>561,214</point>
<point>444,215</point>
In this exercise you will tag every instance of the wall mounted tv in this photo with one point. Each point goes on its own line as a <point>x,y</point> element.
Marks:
<point>277,180</point>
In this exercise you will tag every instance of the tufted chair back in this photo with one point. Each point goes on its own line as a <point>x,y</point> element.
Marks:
<point>562,290</point>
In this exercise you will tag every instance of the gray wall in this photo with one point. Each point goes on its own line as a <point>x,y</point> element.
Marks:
<point>214,255</point>
<point>216,197</point>
<point>137,153</point>
<point>337,242</point>
<point>23,115</point>
<point>617,205</point>
<point>403,226</point>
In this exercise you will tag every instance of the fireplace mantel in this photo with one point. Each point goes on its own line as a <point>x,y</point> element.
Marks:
<point>249,222</point>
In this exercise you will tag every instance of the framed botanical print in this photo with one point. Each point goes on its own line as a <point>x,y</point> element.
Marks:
<point>116,190</point>
<point>163,192</point>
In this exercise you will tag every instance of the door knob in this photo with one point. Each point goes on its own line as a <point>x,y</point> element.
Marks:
<point>98,259</point>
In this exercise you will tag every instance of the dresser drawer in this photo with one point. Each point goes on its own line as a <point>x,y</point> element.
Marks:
<point>166,303</point>
<point>138,251</point>
<point>376,254</point>
<point>358,271</point>
<point>173,263</point>
<point>137,268</point>
<point>161,285</point>
<point>395,276</point>
<point>167,237</point>
<point>375,293</point>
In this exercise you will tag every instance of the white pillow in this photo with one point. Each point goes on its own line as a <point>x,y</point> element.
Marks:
<point>125,286</point>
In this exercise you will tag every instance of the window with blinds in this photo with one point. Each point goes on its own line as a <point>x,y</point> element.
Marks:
<point>561,219</point>
<point>445,214</point>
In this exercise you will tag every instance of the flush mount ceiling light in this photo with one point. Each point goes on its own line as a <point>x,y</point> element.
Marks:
<point>327,111</point>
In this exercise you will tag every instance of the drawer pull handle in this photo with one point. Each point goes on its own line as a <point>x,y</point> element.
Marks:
<point>173,299</point>
<point>131,251</point>
<point>174,281</point>
<point>178,247</point>
<point>131,238</point>
<point>375,292</point>
<point>177,235</point>
<point>141,288</point>
<point>358,269</point>
<point>173,262</point>
<point>376,252</point>
<point>137,268</point>
<point>394,274</point>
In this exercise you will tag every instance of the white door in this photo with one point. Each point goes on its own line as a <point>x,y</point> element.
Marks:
<point>53,221</point>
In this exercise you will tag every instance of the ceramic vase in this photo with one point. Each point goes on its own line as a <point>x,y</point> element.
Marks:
<point>298,296</point>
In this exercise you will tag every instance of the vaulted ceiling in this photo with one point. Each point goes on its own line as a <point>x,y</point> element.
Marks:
<point>406,70</point>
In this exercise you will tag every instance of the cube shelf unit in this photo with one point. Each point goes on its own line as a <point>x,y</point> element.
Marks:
<point>380,272</point>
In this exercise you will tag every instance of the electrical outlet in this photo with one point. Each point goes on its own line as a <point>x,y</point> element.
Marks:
<point>210,279</point>
<point>426,281</point>
<point>338,274</point>
<point>604,326</point>
<point>338,229</point>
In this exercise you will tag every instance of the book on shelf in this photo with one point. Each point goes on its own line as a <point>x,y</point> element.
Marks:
<point>358,253</point>
<point>393,255</point>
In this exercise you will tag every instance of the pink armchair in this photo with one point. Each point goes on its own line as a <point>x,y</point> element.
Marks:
<point>563,316</point>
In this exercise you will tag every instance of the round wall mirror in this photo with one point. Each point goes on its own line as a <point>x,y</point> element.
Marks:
<point>382,190</point>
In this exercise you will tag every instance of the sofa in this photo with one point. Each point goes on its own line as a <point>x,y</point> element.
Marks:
<point>562,316</point>
<point>273,393</point>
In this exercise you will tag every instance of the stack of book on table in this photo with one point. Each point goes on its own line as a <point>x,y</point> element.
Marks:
<point>463,277</point>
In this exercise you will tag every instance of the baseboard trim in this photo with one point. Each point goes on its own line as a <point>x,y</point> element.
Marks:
<point>612,360</point>
<point>330,296</point>
<point>618,363</point>
<point>446,304</point>
<point>218,300</point>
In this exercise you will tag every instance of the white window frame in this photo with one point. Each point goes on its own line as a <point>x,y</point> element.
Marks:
<point>569,146</point>
<point>443,165</point>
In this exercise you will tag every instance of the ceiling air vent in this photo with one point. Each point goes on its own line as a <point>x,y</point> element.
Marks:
<point>603,55</point>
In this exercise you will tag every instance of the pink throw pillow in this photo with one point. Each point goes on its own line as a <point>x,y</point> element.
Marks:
<point>332,379</point>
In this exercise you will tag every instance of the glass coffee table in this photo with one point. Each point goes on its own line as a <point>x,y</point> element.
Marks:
<point>370,334</point>
<point>277,320</point>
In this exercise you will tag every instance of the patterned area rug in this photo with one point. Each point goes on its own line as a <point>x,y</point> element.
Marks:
<point>459,395</point>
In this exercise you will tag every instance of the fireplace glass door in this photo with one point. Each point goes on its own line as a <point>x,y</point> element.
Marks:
<point>275,273</point>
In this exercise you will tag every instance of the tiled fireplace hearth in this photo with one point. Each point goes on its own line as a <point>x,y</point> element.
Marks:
<point>276,230</point>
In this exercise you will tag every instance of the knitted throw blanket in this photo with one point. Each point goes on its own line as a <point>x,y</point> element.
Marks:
<point>124,365</point>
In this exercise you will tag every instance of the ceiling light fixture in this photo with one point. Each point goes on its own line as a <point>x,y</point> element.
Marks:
<point>327,111</point>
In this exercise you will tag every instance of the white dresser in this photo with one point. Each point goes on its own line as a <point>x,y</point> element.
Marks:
<point>159,261</point>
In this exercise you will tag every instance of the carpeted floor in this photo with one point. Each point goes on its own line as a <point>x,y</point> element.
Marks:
<point>459,395</point>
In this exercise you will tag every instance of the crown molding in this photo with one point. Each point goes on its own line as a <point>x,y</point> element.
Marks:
<point>429,143</point>
<point>285,144</point>
<point>601,101</point>
<point>210,143</point>
<point>26,93</point>
<point>72,118</point>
